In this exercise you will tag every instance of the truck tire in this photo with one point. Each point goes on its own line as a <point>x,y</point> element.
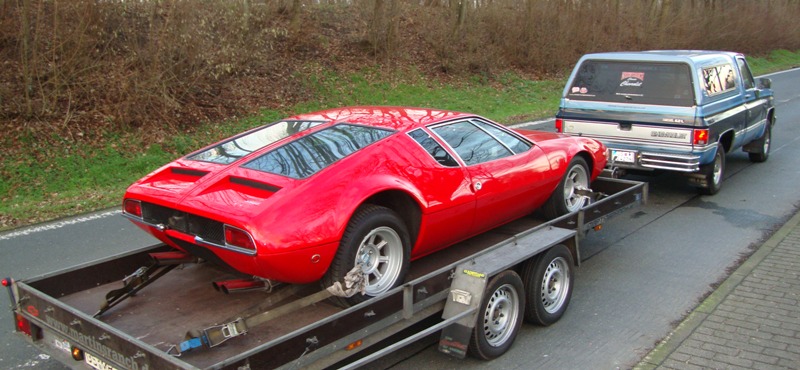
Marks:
<point>377,237</point>
<point>548,285</point>
<point>499,318</point>
<point>763,146</point>
<point>565,199</point>
<point>713,172</point>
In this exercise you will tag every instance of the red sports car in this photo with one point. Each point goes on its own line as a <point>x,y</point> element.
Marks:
<point>307,198</point>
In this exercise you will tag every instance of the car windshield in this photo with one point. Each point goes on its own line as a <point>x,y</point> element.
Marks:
<point>309,154</point>
<point>633,82</point>
<point>231,150</point>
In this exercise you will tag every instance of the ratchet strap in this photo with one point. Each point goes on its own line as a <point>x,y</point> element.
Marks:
<point>355,282</point>
<point>162,264</point>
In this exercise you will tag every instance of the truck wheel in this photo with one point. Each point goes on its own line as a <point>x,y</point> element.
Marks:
<point>565,198</point>
<point>713,172</point>
<point>378,239</point>
<point>763,146</point>
<point>548,282</point>
<point>499,318</point>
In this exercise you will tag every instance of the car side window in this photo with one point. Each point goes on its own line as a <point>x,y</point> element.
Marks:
<point>471,143</point>
<point>718,79</point>
<point>747,76</point>
<point>433,148</point>
<point>514,143</point>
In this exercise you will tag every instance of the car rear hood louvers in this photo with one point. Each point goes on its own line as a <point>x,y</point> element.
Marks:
<point>188,172</point>
<point>254,184</point>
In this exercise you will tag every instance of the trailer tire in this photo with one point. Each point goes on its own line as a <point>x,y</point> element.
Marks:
<point>499,317</point>
<point>378,238</point>
<point>762,153</point>
<point>714,172</point>
<point>564,199</point>
<point>548,281</point>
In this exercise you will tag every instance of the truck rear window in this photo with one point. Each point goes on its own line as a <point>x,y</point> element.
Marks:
<point>633,82</point>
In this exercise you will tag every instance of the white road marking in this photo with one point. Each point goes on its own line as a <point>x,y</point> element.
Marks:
<point>533,123</point>
<point>58,224</point>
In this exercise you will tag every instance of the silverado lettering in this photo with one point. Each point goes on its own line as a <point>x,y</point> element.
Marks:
<point>667,134</point>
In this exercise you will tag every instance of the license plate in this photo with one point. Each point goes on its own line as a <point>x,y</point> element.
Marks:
<point>97,363</point>
<point>623,156</point>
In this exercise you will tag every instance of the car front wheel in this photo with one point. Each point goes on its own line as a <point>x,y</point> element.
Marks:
<point>763,147</point>
<point>567,197</point>
<point>377,239</point>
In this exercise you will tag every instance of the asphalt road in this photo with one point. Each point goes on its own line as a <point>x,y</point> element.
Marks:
<point>641,274</point>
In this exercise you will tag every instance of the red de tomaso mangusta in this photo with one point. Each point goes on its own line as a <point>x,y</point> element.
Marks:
<point>306,198</point>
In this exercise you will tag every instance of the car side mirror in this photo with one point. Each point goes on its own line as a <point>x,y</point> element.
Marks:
<point>764,83</point>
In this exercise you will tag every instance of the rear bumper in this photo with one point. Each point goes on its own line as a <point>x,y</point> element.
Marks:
<point>658,157</point>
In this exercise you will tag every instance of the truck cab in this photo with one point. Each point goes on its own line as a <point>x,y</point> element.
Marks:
<point>673,110</point>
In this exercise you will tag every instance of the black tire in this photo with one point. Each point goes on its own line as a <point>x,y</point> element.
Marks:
<point>373,231</point>
<point>548,282</point>
<point>763,146</point>
<point>499,318</point>
<point>564,199</point>
<point>714,172</point>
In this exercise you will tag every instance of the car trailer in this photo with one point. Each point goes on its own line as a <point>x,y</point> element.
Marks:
<point>126,312</point>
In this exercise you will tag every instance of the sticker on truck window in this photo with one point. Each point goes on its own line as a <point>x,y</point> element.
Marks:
<point>632,79</point>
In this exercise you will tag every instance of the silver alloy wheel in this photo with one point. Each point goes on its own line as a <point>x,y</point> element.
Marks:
<point>502,311</point>
<point>576,179</point>
<point>381,258</point>
<point>718,168</point>
<point>555,285</point>
<point>765,148</point>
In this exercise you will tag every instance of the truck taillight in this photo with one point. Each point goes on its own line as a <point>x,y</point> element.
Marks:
<point>239,238</point>
<point>132,207</point>
<point>700,137</point>
<point>7,282</point>
<point>559,125</point>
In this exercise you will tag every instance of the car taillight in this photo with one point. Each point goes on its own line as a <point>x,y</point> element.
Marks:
<point>700,137</point>
<point>132,207</point>
<point>23,325</point>
<point>559,125</point>
<point>239,238</point>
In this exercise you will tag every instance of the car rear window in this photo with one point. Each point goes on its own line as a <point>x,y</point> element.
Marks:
<point>633,82</point>
<point>309,154</point>
<point>231,150</point>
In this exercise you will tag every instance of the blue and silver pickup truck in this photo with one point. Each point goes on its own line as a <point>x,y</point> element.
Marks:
<point>674,110</point>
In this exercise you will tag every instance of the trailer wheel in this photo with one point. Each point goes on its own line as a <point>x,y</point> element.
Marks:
<point>548,281</point>
<point>377,238</point>
<point>565,198</point>
<point>713,172</point>
<point>763,146</point>
<point>499,318</point>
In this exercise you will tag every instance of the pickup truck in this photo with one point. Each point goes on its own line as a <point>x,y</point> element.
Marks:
<point>673,110</point>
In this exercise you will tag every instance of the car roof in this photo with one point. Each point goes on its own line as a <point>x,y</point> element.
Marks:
<point>698,57</point>
<point>395,118</point>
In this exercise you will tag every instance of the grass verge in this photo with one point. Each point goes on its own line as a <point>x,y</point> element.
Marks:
<point>74,179</point>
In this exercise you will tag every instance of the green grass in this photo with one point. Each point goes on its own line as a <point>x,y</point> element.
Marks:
<point>52,181</point>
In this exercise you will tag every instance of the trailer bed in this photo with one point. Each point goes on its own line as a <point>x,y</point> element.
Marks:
<point>140,331</point>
